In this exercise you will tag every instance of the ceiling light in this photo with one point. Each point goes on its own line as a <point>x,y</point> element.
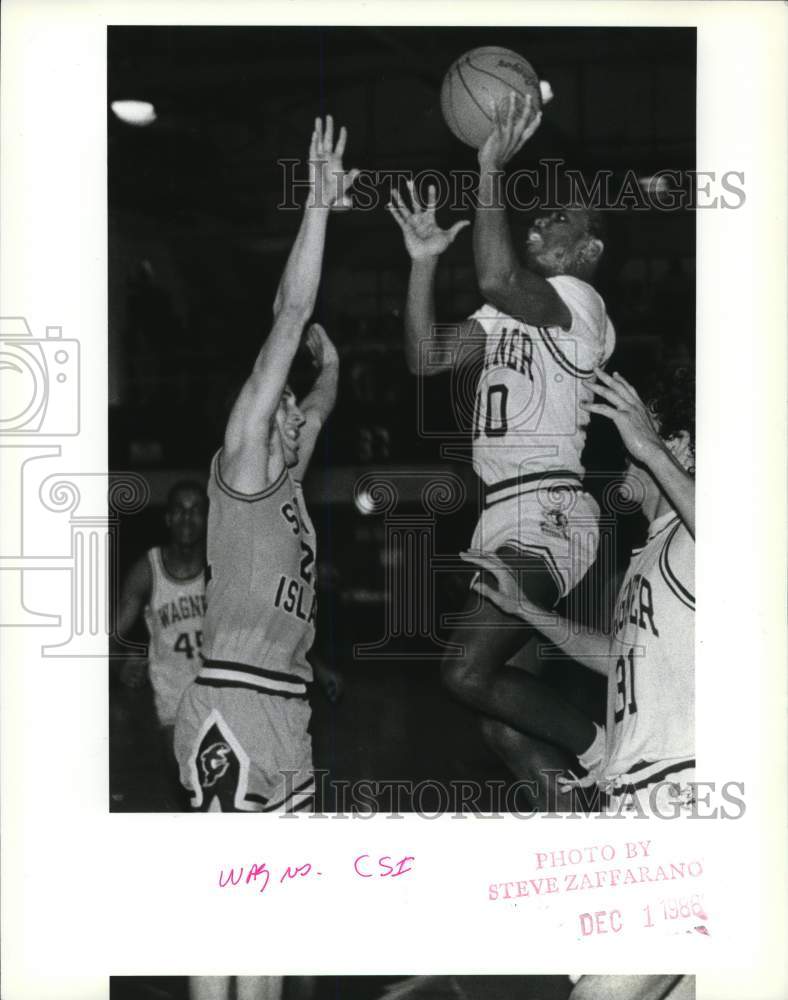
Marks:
<point>134,112</point>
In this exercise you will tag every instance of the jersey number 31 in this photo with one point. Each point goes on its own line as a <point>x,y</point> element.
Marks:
<point>625,686</point>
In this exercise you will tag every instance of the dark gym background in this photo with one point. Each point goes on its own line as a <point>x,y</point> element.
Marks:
<point>196,248</point>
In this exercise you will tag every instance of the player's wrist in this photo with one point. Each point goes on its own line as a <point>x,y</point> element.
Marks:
<point>490,163</point>
<point>424,263</point>
<point>655,455</point>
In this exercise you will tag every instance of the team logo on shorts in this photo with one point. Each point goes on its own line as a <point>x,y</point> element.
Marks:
<point>555,523</point>
<point>214,761</point>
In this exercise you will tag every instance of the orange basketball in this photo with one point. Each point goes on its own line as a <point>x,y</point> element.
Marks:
<point>479,77</point>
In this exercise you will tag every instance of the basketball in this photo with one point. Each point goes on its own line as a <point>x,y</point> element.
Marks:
<point>479,77</point>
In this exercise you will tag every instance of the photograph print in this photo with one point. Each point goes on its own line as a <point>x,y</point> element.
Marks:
<point>401,343</point>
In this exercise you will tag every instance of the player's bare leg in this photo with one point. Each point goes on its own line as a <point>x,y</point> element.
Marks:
<point>537,763</point>
<point>481,678</point>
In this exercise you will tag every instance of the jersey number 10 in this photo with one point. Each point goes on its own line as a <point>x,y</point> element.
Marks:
<point>495,423</point>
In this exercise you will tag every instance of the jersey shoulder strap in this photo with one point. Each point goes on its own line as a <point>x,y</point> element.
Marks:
<point>677,550</point>
<point>232,494</point>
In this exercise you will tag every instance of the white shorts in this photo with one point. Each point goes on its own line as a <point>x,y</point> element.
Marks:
<point>558,525</point>
<point>667,792</point>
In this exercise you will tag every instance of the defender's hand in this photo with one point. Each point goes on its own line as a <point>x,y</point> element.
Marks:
<point>323,352</point>
<point>327,176</point>
<point>423,236</point>
<point>628,412</point>
<point>498,584</point>
<point>329,680</point>
<point>511,131</point>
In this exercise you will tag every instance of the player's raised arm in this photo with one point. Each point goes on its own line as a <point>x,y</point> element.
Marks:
<point>248,463</point>
<point>425,241</point>
<point>317,405</point>
<point>503,280</point>
<point>667,461</point>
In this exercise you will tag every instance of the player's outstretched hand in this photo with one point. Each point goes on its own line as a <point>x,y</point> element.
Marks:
<point>319,345</point>
<point>423,236</point>
<point>511,131</point>
<point>628,412</point>
<point>329,680</point>
<point>330,184</point>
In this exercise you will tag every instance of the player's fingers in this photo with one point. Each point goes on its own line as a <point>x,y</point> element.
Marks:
<point>612,395</point>
<point>318,135</point>
<point>522,130</point>
<point>341,142</point>
<point>495,111</point>
<point>397,218</point>
<point>349,178</point>
<point>432,197</point>
<point>457,227</point>
<point>603,409</point>
<point>626,386</point>
<point>603,376</point>
<point>417,207</point>
<point>402,220</point>
<point>401,205</point>
<point>328,140</point>
<point>533,126</point>
<point>509,111</point>
<point>621,386</point>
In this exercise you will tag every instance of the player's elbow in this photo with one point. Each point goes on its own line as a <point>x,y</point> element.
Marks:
<point>494,283</point>
<point>294,307</point>
<point>412,363</point>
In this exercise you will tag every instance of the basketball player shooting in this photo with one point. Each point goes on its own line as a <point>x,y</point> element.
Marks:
<point>241,735</point>
<point>541,334</point>
<point>645,761</point>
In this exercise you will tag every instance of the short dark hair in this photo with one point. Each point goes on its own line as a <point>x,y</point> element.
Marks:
<point>184,485</point>
<point>671,398</point>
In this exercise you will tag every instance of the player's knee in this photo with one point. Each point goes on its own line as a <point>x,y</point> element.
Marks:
<point>500,737</point>
<point>464,676</point>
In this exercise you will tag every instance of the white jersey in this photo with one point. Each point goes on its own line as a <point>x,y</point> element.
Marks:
<point>527,419</point>
<point>650,700</point>
<point>174,617</point>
